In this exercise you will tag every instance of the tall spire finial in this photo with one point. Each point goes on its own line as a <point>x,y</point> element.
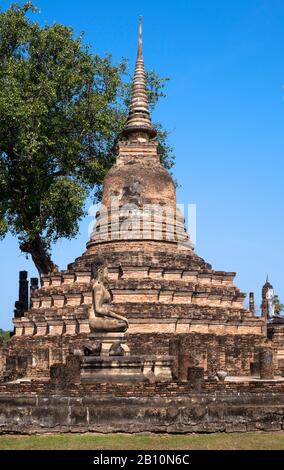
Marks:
<point>138,124</point>
<point>140,41</point>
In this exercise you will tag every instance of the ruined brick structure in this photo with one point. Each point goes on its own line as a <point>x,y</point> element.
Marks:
<point>176,303</point>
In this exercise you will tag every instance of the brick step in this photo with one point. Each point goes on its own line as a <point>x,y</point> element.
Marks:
<point>133,292</point>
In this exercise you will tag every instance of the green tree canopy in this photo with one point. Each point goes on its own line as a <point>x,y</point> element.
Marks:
<point>62,109</point>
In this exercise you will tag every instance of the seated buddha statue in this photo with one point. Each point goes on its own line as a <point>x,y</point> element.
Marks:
<point>101,317</point>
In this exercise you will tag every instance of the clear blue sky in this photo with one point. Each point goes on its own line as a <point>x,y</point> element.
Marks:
<point>225,113</point>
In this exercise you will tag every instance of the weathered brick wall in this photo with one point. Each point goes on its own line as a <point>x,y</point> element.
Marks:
<point>34,355</point>
<point>146,389</point>
<point>143,407</point>
<point>232,353</point>
<point>143,343</point>
<point>275,333</point>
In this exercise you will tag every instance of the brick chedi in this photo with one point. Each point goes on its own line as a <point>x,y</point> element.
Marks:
<point>175,302</point>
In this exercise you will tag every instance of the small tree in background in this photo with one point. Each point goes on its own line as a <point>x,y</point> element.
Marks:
<point>5,335</point>
<point>279,307</point>
<point>62,109</point>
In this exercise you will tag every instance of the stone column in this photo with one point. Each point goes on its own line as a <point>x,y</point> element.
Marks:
<point>195,377</point>
<point>254,369</point>
<point>24,289</point>
<point>266,364</point>
<point>33,287</point>
<point>251,304</point>
<point>174,346</point>
<point>22,304</point>
<point>184,362</point>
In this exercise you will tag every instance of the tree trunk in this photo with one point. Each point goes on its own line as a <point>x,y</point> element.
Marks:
<point>40,256</point>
